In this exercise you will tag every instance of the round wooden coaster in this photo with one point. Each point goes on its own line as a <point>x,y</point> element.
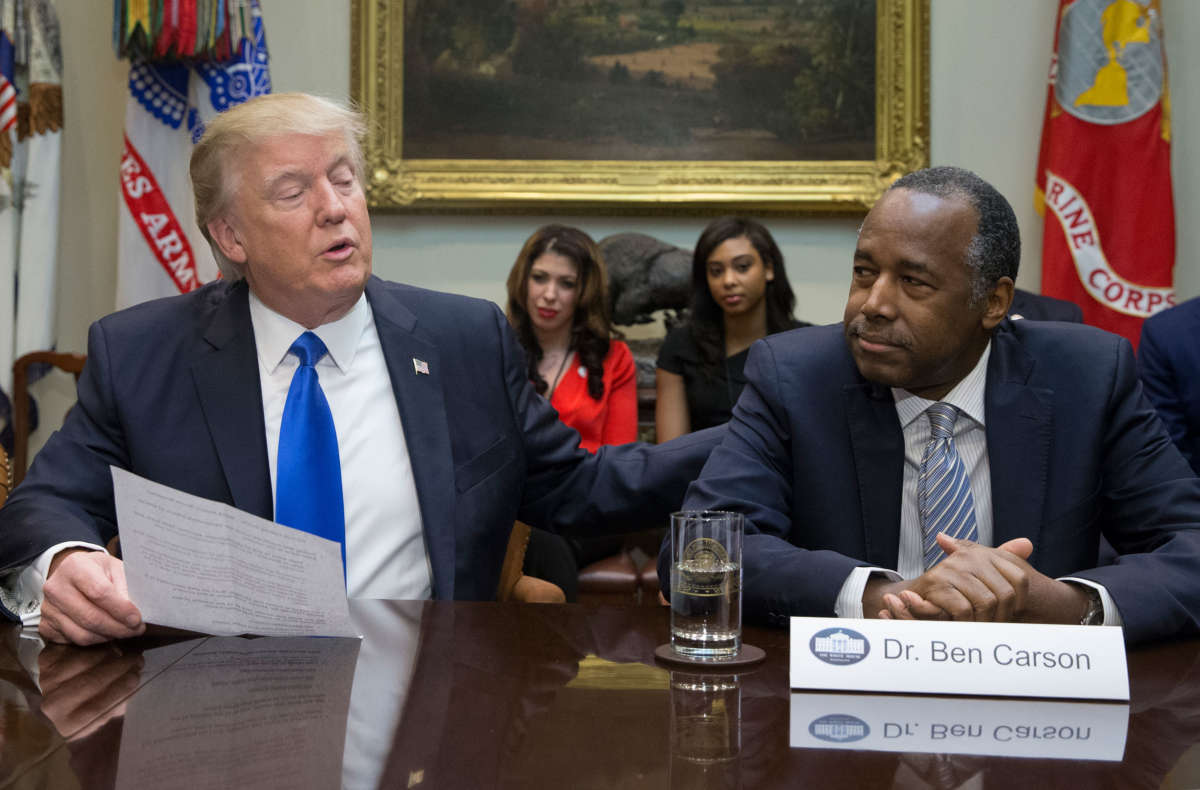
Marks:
<point>749,656</point>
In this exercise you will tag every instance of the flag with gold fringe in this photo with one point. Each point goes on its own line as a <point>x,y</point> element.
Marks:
<point>189,60</point>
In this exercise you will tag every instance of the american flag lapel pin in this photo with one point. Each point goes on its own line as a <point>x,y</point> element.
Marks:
<point>420,366</point>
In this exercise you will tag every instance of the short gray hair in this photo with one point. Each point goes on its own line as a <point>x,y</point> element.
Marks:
<point>995,249</point>
<point>248,124</point>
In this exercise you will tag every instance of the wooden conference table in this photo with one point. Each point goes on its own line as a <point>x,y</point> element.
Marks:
<point>486,695</point>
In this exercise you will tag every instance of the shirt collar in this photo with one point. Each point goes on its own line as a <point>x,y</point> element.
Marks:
<point>274,333</point>
<point>967,395</point>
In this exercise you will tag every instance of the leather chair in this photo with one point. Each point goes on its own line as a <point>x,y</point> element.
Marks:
<point>628,577</point>
<point>611,580</point>
<point>71,363</point>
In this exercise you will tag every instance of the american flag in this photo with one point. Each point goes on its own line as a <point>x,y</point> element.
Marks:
<point>8,92</point>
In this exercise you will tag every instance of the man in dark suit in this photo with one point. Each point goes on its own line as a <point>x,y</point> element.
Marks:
<point>1169,361</point>
<point>1036,307</point>
<point>440,441</point>
<point>932,459</point>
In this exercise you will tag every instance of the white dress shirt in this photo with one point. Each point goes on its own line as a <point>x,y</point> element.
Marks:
<point>970,441</point>
<point>385,542</point>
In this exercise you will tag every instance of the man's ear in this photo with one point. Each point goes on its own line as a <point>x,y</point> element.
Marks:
<point>227,238</point>
<point>999,299</point>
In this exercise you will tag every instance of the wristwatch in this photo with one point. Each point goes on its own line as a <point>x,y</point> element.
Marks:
<point>1095,611</point>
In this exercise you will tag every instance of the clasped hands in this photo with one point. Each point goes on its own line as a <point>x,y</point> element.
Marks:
<point>981,584</point>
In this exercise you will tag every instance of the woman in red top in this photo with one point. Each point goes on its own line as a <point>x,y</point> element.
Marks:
<point>558,305</point>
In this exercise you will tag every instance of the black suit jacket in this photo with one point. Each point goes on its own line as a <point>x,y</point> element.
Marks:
<point>1036,307</point>
<point>814,458</point>
<point>171,392</point>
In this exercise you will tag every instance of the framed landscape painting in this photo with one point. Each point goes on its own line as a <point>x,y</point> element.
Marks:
<point>642,105</point>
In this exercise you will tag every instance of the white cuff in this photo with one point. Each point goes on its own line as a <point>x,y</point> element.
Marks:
<point>850,597</point>
<point>1112,615</point>
<point>21,588</point>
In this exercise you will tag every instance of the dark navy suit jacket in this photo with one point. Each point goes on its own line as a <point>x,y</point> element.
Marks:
<point>1035,307</point>
<point>814,457</point>
<point>1169,359</point>
<point>171,392</point>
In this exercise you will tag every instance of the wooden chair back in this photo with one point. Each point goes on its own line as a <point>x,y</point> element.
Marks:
<point>71,363</point>
<point>515,585</point>
<point>6,475</point>
<point>514,558</point>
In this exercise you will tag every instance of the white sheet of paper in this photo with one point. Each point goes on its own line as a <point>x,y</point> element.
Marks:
<point>205,566</point>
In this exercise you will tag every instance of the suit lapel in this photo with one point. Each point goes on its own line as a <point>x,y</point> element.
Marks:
<point>878,447</point>
<point>227,384</point>
<point>1019,430</point>
<point>422,404</point>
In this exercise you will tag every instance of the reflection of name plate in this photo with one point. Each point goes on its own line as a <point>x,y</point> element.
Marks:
<point>1011,728</point>
<point>982,659</point>
<point>242,713</point>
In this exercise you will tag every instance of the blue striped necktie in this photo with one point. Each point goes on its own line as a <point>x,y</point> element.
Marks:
<point>308,479</point>
<point>944,489</point>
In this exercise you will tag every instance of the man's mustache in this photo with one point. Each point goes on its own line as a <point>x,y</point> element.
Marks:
<point>861,327</point>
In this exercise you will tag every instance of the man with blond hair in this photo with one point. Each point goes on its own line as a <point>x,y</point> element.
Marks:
<point>430,435</point>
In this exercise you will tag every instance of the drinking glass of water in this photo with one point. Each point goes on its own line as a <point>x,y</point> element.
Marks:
<point>706,584</point>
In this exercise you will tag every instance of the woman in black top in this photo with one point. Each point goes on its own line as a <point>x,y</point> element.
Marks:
<point>740,294</point>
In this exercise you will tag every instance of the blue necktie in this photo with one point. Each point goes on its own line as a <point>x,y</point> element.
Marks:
<point>943,490</point>
<point>308,482</point>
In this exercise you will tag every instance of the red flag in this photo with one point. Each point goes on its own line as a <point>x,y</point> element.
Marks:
<point>1104,171</point>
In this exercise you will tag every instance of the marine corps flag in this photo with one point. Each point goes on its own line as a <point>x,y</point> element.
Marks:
<point>1104,171</point>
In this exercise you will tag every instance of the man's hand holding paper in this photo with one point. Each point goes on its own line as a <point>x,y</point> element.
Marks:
<point>86,600</point>
<point>205,566</point>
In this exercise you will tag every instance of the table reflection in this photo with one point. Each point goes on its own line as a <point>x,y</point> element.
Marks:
<point>952,725</point>
<point>449,695</point>
<point>232,712</point>
<point>391,633</point>
<point>706,731</point>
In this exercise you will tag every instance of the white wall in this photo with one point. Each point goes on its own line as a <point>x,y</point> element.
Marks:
<point>988,88</point>
<point>1183,63</point>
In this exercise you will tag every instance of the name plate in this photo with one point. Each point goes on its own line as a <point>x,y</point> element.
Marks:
<point>941,725</point>
<point>978,659</point>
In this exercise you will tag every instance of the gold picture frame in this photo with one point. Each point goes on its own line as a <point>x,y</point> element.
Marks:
<point>397,183</point>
